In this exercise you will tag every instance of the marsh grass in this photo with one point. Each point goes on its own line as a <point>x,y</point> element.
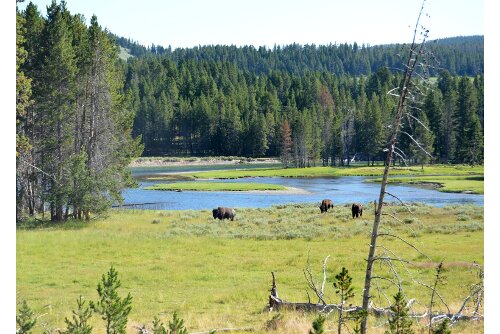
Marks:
<point>444,183</point>
<point>216,186</point>
<point>476,171</point>
<point>216,274</point>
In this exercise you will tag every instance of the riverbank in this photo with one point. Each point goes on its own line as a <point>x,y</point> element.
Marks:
<point>199,161</point>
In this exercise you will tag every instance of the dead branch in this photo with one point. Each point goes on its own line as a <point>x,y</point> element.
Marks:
<point>406,242</point>
<point>402,203</point>
<point>312,285</point>
<point>417,143</point>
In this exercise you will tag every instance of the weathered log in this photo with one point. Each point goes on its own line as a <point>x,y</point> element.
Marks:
<point>277,304</point>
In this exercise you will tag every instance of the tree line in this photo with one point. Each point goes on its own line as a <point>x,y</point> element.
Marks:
<point>215,108</point>
<point>458,55</point>
<point>74,120</point>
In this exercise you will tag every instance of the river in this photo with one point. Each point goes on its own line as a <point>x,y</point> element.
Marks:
<point>342,190</point>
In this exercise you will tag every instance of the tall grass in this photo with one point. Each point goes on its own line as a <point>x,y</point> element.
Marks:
<point>216,274</point>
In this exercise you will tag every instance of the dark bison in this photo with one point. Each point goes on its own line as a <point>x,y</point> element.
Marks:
<point>325,205</point>
<point>223,213</point>
<point>357,209</point>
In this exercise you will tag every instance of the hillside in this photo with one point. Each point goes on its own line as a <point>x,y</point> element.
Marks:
<point>463,55</point>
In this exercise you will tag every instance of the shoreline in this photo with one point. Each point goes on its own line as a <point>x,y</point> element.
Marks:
<point>167,162</point>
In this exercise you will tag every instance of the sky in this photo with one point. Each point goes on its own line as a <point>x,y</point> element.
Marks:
<point>191,23</point>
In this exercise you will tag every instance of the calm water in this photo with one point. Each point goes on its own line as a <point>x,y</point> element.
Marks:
<point>341,190</point>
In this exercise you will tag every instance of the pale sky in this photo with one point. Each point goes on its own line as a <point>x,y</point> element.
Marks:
<point>190,23</point>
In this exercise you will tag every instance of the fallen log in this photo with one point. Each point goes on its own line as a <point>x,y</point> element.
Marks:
<point>276,304</point>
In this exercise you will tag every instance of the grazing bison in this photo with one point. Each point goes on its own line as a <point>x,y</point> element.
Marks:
<point>325,205</point>
<point>223,213</point>
<point>357,209</point>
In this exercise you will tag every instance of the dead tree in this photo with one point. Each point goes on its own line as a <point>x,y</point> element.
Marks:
<point>403,92</point>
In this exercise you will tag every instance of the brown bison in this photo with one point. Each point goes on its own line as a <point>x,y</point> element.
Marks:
<point>357,209</point>
<point>325,205</point>
<point>223,213</point>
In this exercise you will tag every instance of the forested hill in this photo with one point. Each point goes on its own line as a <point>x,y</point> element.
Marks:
<point>458,55</point>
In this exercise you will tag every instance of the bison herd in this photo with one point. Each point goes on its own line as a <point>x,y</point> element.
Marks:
<point>229,213</point>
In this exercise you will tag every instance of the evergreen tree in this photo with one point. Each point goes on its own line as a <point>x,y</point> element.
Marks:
<point>25,319</point>
<point>469,143</point>
<point>399,323</point>
<point>286,144</point>
<point>113,309</point>
<point>343,288</point>
<point>318,325</point>
<point>433,107</point>
<point>158,327</point>
<point>423,135</point>
<point>79,323</point>
<point>56,107</point>
<point>23,101</point>
<point>176,325</point>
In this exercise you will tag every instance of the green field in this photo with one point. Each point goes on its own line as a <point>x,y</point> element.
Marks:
<point>341,171</point>
<point>217,274</point>
<point>216,186</point>
<point>445,183</point>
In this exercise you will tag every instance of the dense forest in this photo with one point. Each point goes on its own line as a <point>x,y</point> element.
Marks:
<point>457,55</point>
<point>83,113</point>
<point>207,107</point>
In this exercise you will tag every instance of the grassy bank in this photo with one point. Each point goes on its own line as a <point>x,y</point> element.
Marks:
<point>341,171</point>
<point>452,184</point>
<point>217,186</point>
<point>216,274</point>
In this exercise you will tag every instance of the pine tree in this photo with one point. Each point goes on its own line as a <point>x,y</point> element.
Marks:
<point>286,144</point>
<point>469,143</point>
<point>176,325</point>
<point>433,107</point>
<point>158,327</point>
<point>56,107</point>
<point>399,323</point>
<point>23,101</point>
<point>318,325</point>
<point>343,288</point>
<point>113,309</point>
<point>425,138</point>
<point>25,319</point>
<point>79,323</point>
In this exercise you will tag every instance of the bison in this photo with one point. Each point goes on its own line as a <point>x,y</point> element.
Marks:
<point>223,213</point>
<point>325,205</point>
<point>357,209</point>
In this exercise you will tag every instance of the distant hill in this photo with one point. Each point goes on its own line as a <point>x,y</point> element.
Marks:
<point>463,55</point>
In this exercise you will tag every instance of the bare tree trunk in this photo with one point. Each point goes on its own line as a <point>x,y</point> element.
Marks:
<point>413,55</point>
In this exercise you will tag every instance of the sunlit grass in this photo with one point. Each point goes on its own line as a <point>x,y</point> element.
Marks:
<point>216,186</point>
<point>341,171</point>
<point>446,183</point>
<point>217,274</point>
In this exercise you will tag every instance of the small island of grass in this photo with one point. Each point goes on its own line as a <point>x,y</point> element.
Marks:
<point>217,186</point>
<point>445,183</point>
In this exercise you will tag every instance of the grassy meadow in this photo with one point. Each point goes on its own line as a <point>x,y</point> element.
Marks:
<point>217,274</point>
<point>341,171</point>
<point>445,183</point>
<point>216,186</point>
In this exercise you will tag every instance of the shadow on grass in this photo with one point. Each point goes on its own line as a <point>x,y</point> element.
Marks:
<point>40,224</point>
